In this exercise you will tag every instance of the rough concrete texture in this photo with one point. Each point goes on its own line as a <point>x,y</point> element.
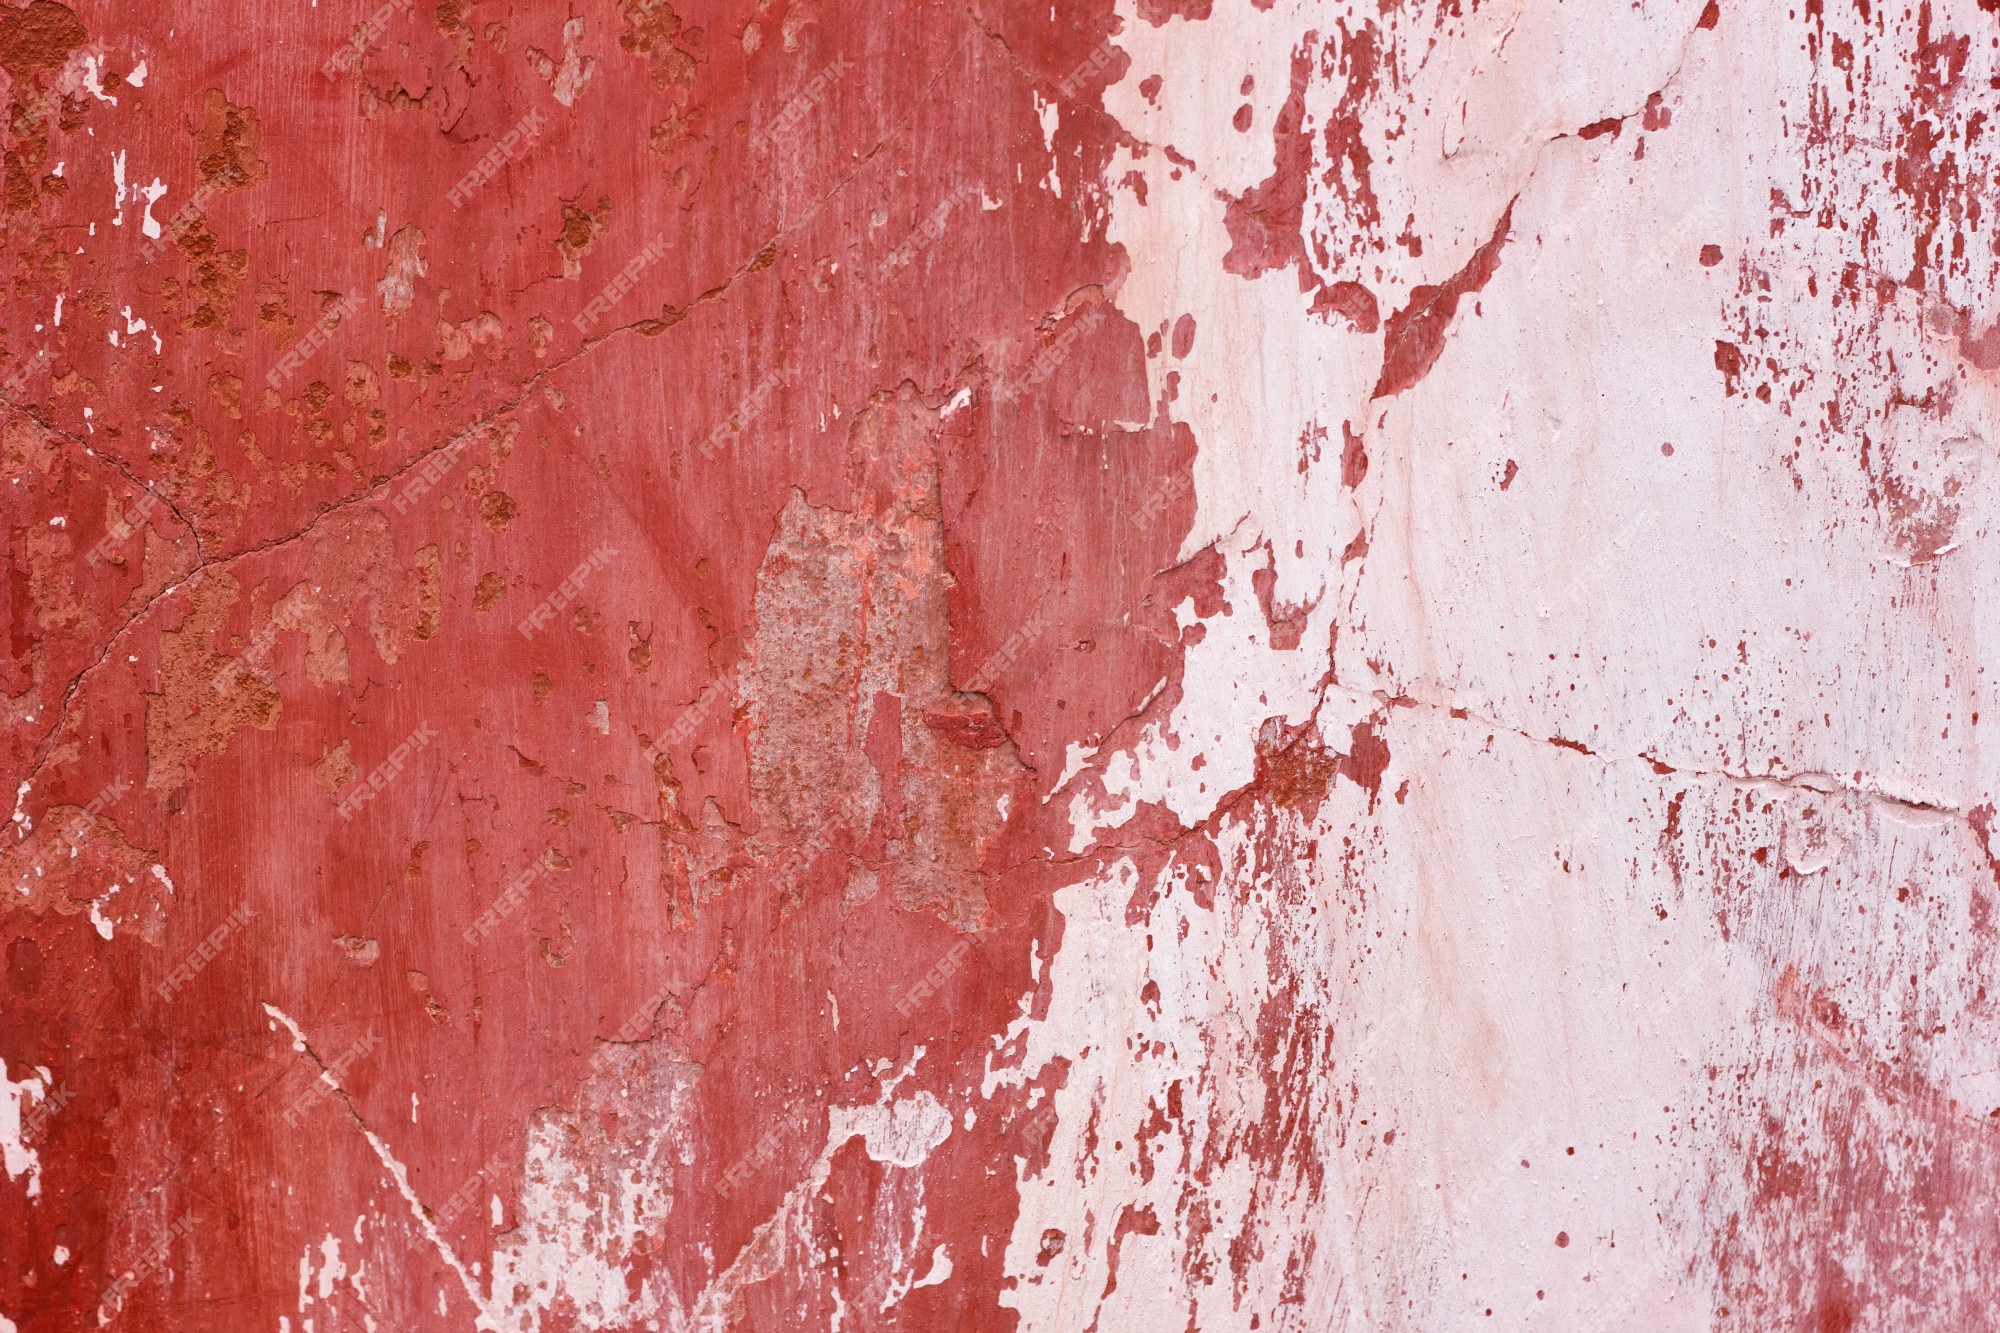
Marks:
<point>1138,665</point>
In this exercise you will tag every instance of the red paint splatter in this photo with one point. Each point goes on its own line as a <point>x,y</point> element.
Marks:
<point>1352,302</point>
<point>1367,759</point>
<point>1415,336</point>
<point>1729,360</point>
<point>1353,457</point>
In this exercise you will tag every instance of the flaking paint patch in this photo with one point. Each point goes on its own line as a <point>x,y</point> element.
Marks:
<point>850,693</point>
<point>594,1198</point>
<point>896,1132</point>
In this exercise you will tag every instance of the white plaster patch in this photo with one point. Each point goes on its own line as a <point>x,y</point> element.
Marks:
<point>152,194</point>
<point>586,1200</point>
<point>16,1100</point>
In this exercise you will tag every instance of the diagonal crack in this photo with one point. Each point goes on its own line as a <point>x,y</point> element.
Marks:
<point>112,460</point>
<point>421,1215</point>
<point>759,261</point>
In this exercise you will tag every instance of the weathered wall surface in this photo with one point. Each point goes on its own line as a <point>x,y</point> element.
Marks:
<point>1143,665</point>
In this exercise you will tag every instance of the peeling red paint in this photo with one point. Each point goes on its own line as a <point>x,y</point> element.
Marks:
<point>692,669</point>
<point>1414,336</point>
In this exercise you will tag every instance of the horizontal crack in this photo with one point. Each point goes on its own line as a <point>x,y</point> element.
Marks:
<point>1819,783</point>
